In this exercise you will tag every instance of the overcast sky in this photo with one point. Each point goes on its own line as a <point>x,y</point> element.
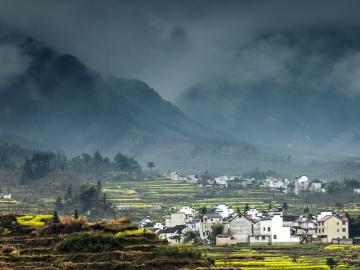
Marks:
<point>173,45</point>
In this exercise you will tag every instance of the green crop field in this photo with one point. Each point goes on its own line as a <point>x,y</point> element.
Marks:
<point>156,197</point>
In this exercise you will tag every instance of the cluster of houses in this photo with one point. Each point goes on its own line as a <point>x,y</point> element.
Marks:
<point>300,185</point>
<point>253,227</point>
<point>5,196</point>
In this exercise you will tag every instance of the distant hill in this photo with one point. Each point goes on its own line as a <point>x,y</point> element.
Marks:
<point>56,101</point>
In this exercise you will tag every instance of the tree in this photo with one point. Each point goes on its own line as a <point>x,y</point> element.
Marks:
<point>285,207</point>
<point>307,210</point>
<point>59,205</point>
<point>203,210</point>
<point>216,229</point>
<point>247,208</point>
<point>56,218</point>
<point>121,162</point>
<point>331,262</point>
<point>151,165</point>
<point>76,215</point>
<point>98,158</point>
<point>68,193</point>
<point>99,185</point>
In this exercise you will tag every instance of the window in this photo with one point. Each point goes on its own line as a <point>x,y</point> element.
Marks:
<point>256,237</point>
<point>211,219</point>
<point>322,230</point>
<point>344,237</point>
<point>275,236</point>
<point>344,223</point>
<point>264,229</point>
<point>338,230</point>
<point>268,229</point>
<point>315,230</point>
<point>263,237</point>
<point>203,233</point>
<point>344,229</point>
<point>337,223</point>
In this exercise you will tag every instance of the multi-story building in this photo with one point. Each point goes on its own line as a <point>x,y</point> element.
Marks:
<point>332,227</point>
<point>206,223</point>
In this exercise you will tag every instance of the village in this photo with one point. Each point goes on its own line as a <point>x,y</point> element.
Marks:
<point>223,225</point>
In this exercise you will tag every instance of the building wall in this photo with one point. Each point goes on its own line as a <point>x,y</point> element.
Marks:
<point>333,228</point>
<point>177,219</point>
<point>240,229</point>
<point>205,227</point>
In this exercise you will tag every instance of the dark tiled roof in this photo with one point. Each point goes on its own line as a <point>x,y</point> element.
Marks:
<point>213,215</point>
<point>290,218</point>
<point>177,228</point>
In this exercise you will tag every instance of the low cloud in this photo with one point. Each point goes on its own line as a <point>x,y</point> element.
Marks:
<point>13,63</point>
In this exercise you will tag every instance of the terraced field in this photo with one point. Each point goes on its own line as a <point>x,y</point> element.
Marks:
<point>158,197</point>
<point>78,245</point>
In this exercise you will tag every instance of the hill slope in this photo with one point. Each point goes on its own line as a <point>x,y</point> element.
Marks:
<point>57,101</point>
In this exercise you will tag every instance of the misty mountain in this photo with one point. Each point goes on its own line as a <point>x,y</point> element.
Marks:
<point>291,90</point>
<point>55,100</point>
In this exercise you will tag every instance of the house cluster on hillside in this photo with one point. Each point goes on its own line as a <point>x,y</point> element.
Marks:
<point>174,176</point>
<point>268,226</point>
<point>300,185</point>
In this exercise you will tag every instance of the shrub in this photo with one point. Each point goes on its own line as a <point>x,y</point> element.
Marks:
<point>179,252</point>
<point>331,262</point>
<point>89,242</point>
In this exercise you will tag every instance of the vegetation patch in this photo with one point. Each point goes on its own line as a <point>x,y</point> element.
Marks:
<point>89,242</point>
<point>34,221</point>
<point>135,232</point>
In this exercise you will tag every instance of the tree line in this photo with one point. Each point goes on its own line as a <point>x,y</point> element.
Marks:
<point>37,164</point>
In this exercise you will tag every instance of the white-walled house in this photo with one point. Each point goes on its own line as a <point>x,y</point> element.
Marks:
<point>302,183</point>
<point>173,175</point>
<point>316,186</point>
<point>174,235</point>
<point>274,183</point>
<point>175,219</point>
<point>188,211</point>
<point>254,213</point>
<point>272,229</point>
<point>223,210</point>
<point>6,196</point>
<point>146,223</point>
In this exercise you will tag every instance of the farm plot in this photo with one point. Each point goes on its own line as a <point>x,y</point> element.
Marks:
<point>157,197</point>
<point>279,257</point>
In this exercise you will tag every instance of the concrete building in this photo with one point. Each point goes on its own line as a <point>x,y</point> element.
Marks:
<point>332,227</point>
<point>206,223</point>
<point>302,184</point>
<point>240,228</point>
<point>175,219</point>
<point>273,227</point>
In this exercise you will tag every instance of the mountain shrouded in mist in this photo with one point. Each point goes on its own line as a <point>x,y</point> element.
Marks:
<point>290,89</point>
<point>54,99</point>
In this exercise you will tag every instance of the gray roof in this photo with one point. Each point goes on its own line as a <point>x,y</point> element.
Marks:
<point>213,215</point>
<point>177,228</point>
